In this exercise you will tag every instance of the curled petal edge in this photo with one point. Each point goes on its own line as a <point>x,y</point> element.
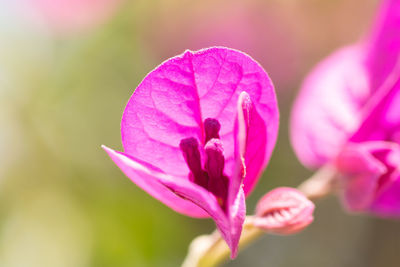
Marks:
<point>184,196</point>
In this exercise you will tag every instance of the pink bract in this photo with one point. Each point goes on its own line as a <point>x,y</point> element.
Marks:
<point>351,98</point>
<point>327,109</point>
<point>284,210</point>
<point>198,132</point>
<point>370,177</point>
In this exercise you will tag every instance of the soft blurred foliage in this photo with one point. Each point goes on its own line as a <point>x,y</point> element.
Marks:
<point>62,92</point>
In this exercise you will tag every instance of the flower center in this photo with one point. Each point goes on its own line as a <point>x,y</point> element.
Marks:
<point>211,177</point>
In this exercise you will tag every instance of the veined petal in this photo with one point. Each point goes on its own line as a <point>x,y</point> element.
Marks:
<point>184,196</point>
<point>244,106</point>
<point>229,225</point>
<point>252,152</point>
<point>328,108</point>
<point>255,137</point>
<point>149,179</point>
<point>173,100</point>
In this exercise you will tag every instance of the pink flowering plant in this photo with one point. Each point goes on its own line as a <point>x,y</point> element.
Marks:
<point>200,128</point>
<point>197,134</point>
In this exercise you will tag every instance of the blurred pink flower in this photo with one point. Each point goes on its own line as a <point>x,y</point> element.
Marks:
<point>350,100</point>
<point>370,176</point>
<point>198,132</point>
<point>284,210</point>
<point>68,16</point>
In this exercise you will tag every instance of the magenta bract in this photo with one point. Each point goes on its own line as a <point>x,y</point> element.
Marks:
<point>284,210</point>
<point>370,174</point>
<point>351,98</point>
<point>198,132</point>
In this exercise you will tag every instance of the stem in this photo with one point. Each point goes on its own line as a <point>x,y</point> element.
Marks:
<point>320,184</point>
<point>211,250</point>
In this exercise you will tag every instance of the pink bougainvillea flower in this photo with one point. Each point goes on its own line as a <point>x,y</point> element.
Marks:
<point>351,99</point>
<point>284,210</point>
<point>198,132</point>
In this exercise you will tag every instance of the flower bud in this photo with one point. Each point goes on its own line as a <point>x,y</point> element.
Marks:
<point>284,210</point>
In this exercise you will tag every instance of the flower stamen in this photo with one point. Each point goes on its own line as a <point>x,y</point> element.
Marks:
<point>211,128</point>
<point>218,182</point>
<point>190,149</point>
<point>211,177</point>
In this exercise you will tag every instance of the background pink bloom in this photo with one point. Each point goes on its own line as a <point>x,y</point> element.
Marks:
<point>166,139</point>
<point>352,96</point>
<point>68,16</point>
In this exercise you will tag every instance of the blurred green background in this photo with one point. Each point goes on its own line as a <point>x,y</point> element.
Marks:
<point>67,69</point>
